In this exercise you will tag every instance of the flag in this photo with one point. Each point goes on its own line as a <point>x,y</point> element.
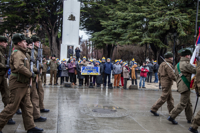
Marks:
<point>193,59</point>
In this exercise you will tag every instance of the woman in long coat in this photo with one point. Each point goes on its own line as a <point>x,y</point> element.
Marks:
<point>64,71</point>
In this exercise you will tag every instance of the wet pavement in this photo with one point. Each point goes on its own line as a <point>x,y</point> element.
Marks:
<point>73,110</point>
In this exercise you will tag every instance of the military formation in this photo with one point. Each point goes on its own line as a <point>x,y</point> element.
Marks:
<point>25,89</point>
<point>182,76</point>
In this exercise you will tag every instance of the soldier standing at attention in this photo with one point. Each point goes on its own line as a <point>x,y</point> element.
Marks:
<point>33,90</point>
<point>53,69</point>
<point>196,119</point>
<point>183,71</point>
<point>166,76</point>
<point>3,69</point>
<point>44,70</point>
<point>40,88</point>
<point>19,87</point>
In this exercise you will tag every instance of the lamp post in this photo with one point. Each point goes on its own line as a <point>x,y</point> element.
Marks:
<point>174,48</point>
<point>195,33</point>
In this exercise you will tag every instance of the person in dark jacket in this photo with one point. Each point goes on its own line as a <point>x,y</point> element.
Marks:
<point>77,50</point>
<point>70,52</point>
<point>150,73</point>
<point>103,62</point>
<point>156,67</point>
<point>122,79</point>
<point>99,80</point>
<point>108,67</point>
<point>64,72</point>
<point>58,72</point>
<point>80,77</point>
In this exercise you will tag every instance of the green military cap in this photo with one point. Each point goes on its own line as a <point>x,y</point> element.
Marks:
<point>3,39</point>
<point>53,55</point>
<point>29,41</point>
<point>35,38</point>
<point>18,37</point>
<point>184,52</point>
<point>168,55</point>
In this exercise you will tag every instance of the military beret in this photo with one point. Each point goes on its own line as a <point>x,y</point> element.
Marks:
<point>18,37</point>
<point>29,41</point>
<point>168,55</point>
<point>184,52</point>
<point>35,38</point>
<point>53,55</point>
<point>3,39</point>
<point>44,56</point>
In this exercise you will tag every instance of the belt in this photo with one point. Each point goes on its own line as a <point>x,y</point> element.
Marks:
<point>14,74</point>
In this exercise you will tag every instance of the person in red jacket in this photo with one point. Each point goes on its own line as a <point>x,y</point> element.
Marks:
<point>143,74</point>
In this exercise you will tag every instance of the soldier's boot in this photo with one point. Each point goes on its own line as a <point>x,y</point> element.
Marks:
<point>40,119</point>
<point>172,120</point>
<point>35,130</point>
<point>193,130</point>
<point>154,113</point>
<point>11,122</point>
<point>189,121</point>
<point>44,110</point>
<point>18,112</point>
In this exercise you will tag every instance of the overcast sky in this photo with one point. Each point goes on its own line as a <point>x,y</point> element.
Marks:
<point>82,33</point>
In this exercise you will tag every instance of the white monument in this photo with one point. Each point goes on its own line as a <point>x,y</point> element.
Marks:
<point>70,32</point>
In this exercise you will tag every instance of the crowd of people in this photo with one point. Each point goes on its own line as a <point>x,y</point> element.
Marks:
<point>70,71</point>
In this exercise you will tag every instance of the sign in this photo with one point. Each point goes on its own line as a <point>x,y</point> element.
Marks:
<point>90,70</point>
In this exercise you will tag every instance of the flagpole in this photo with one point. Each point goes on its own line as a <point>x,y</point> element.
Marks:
<point>195,34</point>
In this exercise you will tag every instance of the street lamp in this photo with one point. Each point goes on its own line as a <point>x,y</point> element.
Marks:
<point>175,34</point>
<point>195,33</point>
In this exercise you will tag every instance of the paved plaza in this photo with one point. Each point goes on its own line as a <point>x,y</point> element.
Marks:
<point>72,111</point>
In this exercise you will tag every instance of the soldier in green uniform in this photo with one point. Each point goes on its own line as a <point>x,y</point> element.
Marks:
<point>33,91</point>
<point>183,71</point>
<point>3,69</point>
<point>53,69</point>
<point>196,119</point>
<point>166,76</point>
<point>40,88</point>
<point>19,87</point>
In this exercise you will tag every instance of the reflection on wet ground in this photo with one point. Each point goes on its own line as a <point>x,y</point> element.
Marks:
<point>72,111</point>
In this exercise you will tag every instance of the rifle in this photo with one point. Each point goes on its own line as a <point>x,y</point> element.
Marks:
<point>9,54</point>
<point>8,57</point>
<point>167,63</point>
<point>31,66</point>
<point>38,67</point>
<point>40,57</point>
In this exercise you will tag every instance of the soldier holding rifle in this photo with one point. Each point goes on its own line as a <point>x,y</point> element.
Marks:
<point>183,72</point>
<point>4,66</point>
<point>33,90</point>
<point>37,48</point>
<point>166,76</point>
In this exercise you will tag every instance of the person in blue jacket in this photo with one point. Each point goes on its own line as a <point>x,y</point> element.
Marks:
<point>108,67</point>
